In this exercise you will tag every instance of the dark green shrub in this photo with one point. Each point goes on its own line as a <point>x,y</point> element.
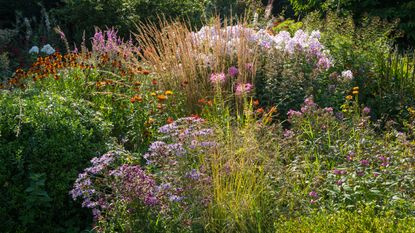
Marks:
<point>45,140</point>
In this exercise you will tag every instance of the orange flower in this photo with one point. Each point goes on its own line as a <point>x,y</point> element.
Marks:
<point>154,82</point>
<point>169,120</point>
<point>168,92</point>
<point>202,101</point>
<point>136,98</point>
<point>161,97</point>
<point>137,84</point>
<point>260,110</point>
<point>355,92</point>
<point>146,72</point>
<point>349,97</point>
<point>196,116</point>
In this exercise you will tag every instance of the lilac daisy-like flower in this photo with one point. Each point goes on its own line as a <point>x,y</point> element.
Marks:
<point>217,78</point>
<point>243,88</point>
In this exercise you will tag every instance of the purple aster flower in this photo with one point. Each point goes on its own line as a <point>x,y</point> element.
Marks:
<point>288,133</point>
<point>175,198</point>
<point>366,110</point>
<point>193,174</point>
<point>313,194</point>
<point>364,162</point>
<point>292,113</point>
<point>339,172</point>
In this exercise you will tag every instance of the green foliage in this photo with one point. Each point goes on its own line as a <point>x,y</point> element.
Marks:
<point>45,140</point>
<point>363,220</point>
<point>391,10</point>
<point>365,49</point>
<point>288,25</point>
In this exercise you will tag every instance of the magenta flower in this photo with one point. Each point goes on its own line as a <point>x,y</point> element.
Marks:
<point>233,71</point>
<point>243,88</point>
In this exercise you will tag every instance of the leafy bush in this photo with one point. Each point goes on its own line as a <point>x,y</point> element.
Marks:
<point>363,220</point>
<point>45,139</point>
<point>339,162</point>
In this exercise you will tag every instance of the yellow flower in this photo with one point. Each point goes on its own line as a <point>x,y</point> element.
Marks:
<point>355,92</point>
<point>153,94</point>
<point>355,89</point>
<point>168,92</point>
<point>349,97</point>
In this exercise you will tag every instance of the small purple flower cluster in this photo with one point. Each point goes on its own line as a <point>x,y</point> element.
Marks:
<point>103,183</point>
<point>180,139</point>
<point>135,184</point>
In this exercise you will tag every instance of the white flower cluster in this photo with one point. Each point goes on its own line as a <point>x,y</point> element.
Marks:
<point>300,44</point>
<point>48,49</point>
